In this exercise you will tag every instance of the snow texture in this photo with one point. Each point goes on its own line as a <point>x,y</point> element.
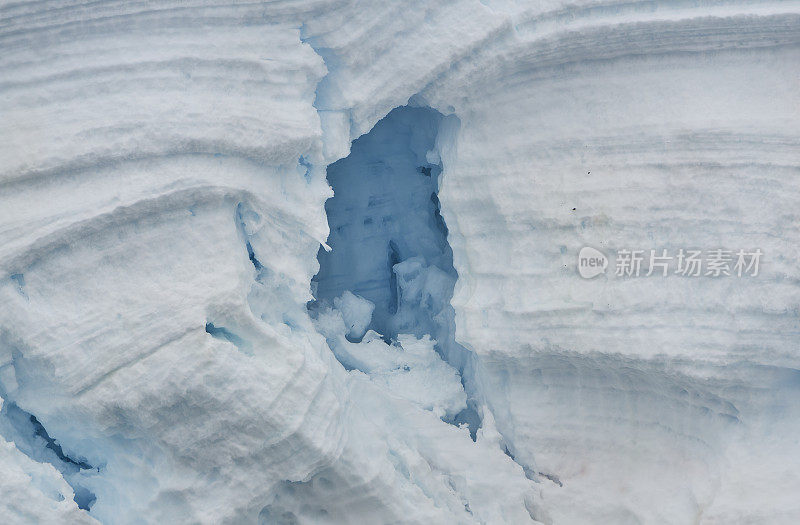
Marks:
<point>314,261</point>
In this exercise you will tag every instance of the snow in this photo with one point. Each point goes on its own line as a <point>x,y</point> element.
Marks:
<point>315,262</point>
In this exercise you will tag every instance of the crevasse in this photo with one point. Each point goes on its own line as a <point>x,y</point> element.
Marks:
<point>389,241</point>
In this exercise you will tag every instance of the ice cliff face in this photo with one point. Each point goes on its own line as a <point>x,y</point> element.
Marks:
<point>175,347</point>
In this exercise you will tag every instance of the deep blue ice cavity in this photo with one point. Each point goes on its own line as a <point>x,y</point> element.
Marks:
<point>385,211</point>
<point>388,239</point>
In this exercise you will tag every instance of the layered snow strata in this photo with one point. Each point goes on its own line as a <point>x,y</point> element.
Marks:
<point>621,128</point>
<point>162,198</point>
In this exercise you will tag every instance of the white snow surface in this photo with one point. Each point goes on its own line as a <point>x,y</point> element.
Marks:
<point>162,203</point>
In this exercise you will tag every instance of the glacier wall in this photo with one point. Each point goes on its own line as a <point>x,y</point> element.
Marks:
<point>163,199</point>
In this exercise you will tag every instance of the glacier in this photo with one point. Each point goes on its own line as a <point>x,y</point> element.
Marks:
<point>315,261</point>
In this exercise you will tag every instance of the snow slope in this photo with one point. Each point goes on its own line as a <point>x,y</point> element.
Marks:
<point>162,205</point>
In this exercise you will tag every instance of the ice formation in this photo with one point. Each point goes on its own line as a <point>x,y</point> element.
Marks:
<point>315,262</point>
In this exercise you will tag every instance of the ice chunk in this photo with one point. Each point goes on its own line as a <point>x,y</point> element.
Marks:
<point>356,313</point>
<point>409,368</point>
